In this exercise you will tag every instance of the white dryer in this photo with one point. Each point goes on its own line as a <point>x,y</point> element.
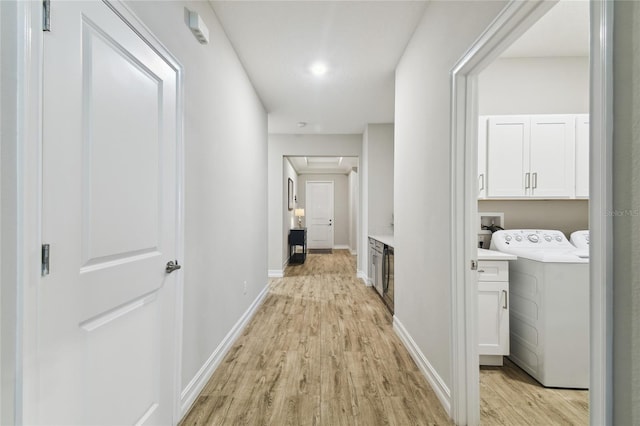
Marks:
<point>549,312</point>
<point>580,239</point>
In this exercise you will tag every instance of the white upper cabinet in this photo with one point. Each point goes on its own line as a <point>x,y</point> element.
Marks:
<point>482,157</point>
<point>552,156</point>
<point>507,154</point>
<point>533,156</point>
<point>582,156</point>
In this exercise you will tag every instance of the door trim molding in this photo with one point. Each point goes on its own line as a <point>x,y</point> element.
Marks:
<point>21,195</point>
<point>511,23</point>
<point>600,202</point>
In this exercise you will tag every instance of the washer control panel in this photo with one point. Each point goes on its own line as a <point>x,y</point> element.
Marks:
<point>529,239</point>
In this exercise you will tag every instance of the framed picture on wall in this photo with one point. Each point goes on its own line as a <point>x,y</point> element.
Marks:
<point>290,194</point>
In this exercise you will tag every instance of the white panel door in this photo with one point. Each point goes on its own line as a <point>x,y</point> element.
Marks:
<point>582,156</point>
<point>552,157</point>
<point>106,312</point>
<point>319,219</point>
<point>507,153</point>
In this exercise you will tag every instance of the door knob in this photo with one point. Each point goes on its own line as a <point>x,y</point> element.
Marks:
<point>171,266</point>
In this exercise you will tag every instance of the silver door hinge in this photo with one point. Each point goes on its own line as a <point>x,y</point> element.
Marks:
<point>46,15</point>
<point>45,260</point>
<point>474,265</point>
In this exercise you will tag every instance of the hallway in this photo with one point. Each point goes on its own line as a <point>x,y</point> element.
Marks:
<point>320,351</point>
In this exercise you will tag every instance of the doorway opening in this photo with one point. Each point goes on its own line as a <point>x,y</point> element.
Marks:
<point>323,199</point>
<point>533,105</point>
<point>514,20</point>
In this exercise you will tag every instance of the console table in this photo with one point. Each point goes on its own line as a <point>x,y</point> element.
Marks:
<point>297,238</point>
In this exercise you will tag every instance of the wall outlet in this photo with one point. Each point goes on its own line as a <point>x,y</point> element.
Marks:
<point>244,288</point>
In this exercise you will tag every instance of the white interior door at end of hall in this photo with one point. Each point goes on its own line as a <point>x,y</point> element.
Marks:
<point>106,312</point>
<point>319,215</point>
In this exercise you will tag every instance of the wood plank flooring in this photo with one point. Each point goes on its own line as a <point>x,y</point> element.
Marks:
<point>509,396</point>
<point>321,351</point>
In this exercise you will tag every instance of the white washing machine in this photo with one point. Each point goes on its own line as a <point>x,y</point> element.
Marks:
<point>549,310</point>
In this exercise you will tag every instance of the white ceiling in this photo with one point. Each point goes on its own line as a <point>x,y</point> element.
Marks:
<point>323,165</point>
<point>360,41</point>
<point>563,31</point>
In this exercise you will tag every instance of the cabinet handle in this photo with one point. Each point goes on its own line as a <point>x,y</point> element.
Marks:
<point>527,180</point>
<point>505,304</point>
<point>481,271</point>
<point>535,180</point>
<point>481,178</point>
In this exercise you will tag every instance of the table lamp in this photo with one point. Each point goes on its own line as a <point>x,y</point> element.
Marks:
<point>299,213</point>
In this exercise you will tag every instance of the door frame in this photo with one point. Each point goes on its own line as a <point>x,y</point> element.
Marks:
<point>21,176</point>
<point>333,205</point>
<point>512,22</point>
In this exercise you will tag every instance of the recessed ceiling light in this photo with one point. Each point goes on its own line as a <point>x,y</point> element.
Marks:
<point>318,69</point>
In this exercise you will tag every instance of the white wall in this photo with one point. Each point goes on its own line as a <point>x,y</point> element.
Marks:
<point>557,85</point>
<point>288,217</point>
<point>281,145</point>
<point>626,219</point>
<point>564,215</point>
<point>340,203</point>
<point>379,141</point>
<point>225,134</point>
<point>422,173</point>
<point>363,238</point>
<point>354,199</point>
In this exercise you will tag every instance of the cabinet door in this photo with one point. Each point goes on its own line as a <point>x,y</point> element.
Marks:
<point>482,157</point>
<point>493,318</point>
<point>552,164</point>
<point>372,266</point>
<point>582,156</point>
<point>507,152</point>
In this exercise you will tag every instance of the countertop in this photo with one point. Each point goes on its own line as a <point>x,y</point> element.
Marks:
<point>384,239</point>
<point>484,254</point>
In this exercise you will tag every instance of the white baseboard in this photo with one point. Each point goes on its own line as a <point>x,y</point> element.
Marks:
<point>354,252</point>
<point>276,273</point>
<point>195,386</point>
<point>341,247</point>
<point>364,278</point>
<point>440,388</point>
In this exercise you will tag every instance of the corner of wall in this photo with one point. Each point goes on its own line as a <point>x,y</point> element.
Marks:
<point>190,393</point>
<point>428,371</point>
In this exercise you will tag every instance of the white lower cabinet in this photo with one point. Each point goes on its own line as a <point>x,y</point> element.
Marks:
<point>493,311</point>
<point>372,261</point>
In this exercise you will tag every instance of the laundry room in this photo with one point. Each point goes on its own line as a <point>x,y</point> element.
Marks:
<point>541,180</point>
<point>533,195</point>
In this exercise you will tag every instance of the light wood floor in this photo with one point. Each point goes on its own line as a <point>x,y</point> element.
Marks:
<point>321,351</point>
<point>509,396</point>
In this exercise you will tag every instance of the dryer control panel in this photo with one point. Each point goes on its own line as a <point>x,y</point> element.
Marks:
<point>580,239</point>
